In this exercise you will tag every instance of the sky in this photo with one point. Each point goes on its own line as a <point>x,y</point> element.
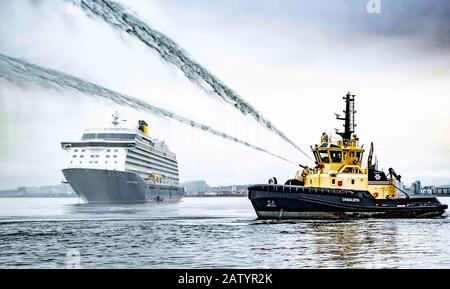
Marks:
<point>292,60</point>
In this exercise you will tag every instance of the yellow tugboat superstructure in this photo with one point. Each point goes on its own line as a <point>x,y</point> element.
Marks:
<point>340,166</point>
<point>340,163</point>
<point>339,186</point>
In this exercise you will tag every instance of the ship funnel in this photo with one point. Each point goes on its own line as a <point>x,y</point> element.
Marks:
<point>143,126</point>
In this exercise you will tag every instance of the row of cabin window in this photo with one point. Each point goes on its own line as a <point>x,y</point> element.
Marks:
<point>92,156</point>
<point>115,136</point>
<point>333,181</point>
<point>336,156</point>
<point>93,162</point>
<point>83,150</point>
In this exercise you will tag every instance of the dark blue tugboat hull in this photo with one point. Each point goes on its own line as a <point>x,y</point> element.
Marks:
<point>291,202</point>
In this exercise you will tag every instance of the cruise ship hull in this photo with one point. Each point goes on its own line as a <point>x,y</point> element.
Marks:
<point>293,202</point>
<point>110,186</point>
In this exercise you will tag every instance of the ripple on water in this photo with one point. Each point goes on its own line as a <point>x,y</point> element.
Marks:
<point>199,233</point>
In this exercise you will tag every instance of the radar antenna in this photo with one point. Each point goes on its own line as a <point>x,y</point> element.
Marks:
<point>349,119</point>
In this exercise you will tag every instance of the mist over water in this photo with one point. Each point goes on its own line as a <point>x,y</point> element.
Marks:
<point>17,70</point>
<point>118,17</point>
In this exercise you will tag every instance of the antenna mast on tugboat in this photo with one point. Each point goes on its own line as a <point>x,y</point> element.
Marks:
<point>349,119</point>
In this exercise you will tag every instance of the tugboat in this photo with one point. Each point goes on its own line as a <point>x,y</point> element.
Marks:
<point>339,187</point>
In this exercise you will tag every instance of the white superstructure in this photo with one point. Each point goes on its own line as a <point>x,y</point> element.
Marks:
<point>124,149</point>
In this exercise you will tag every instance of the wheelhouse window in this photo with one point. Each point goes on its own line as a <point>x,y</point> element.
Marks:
<point>348,170</point>
<point>324,157</point>
<point>316,156</point>
<point>359,156</point>
<point>336,156</point>
<point>351,170</point>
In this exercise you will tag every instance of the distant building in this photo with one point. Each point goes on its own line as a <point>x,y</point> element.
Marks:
<point>416,188</point>
<point>441,190</point>
<point>201,189</point>
<point>426,190</point>
<point>61,190</point>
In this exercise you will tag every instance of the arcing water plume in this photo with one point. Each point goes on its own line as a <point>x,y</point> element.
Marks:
<point>17,70</point>
<point>118,17</point>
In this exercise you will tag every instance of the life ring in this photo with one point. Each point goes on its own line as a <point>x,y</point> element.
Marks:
<point>375,195</point>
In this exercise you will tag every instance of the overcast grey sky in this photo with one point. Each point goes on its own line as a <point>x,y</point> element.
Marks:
<point>293,60</point>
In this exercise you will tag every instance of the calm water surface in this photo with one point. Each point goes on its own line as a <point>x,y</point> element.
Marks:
<point>207,233</point>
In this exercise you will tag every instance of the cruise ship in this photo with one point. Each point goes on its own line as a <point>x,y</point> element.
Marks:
<point>122,165</point>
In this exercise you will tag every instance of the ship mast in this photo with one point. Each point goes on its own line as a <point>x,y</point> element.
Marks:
<point>349,119</point>
<point>116,121</point>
